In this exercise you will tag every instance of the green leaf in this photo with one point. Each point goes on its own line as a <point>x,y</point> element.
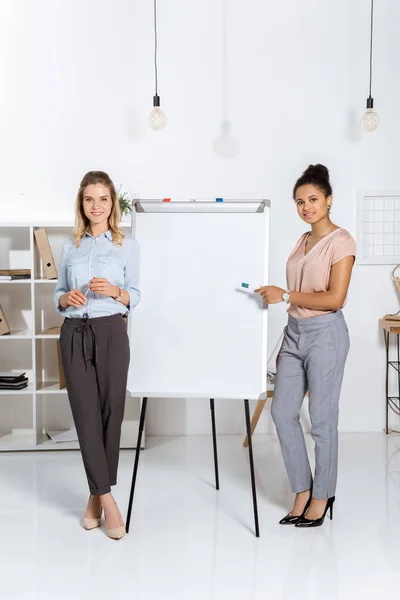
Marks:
<point>125,202</point>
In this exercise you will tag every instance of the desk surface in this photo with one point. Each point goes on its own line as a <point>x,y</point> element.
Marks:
<point>390,326</point>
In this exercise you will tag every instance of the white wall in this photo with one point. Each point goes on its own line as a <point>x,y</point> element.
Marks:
<point>76,86</point>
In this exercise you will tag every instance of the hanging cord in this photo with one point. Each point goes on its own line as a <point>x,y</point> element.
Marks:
<point>155,46</point>
<point>370,48</point>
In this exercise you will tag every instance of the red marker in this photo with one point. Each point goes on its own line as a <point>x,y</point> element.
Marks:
<point>167,200</point>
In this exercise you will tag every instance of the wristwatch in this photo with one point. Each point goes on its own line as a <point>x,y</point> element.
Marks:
<point>120,295</point>
<point>286,296</point>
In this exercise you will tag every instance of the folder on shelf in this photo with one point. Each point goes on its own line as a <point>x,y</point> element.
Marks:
<point>13,381</point>
<point>46,254</point>
<point>63,436</point>
<point>4,328</point>
<point>14,274</point>
<point>52,330</point>
<point>11,377</point>
<point>60,367</point>
<point>14,386</point>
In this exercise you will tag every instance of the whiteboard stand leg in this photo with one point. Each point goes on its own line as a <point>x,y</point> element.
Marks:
<point>214,435</point>
<point>253,479</point>
<point>135,468</point>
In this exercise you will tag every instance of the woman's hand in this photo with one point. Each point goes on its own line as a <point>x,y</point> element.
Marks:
<point>72,298</point>
<point>102,286</point>
<point>271,294</point>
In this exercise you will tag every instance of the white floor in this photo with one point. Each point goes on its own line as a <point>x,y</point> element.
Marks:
<point>189,542</point>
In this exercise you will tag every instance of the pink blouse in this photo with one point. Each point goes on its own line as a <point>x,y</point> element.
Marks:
<point>310,273</point>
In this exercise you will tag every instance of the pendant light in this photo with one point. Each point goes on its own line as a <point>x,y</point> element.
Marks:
<point>225,145</point>
<point>157,117</point>
<point>370,119</point>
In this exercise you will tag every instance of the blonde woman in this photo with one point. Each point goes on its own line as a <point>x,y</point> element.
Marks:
<point>98,283</point>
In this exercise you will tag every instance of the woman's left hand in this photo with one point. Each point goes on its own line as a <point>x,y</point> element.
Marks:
<point>102,286</point>
<point>271,294</point>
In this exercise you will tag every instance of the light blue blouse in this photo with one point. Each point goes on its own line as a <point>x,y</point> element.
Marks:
<point>98,257</point>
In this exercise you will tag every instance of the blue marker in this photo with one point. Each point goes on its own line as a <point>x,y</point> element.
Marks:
<point>219,199</point>
<point>247,286</point>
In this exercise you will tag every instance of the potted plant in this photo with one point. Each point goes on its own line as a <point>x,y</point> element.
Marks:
<point>125,204</point>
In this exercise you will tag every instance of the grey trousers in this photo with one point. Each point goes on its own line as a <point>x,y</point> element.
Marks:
<point>95,358</point>
<point>312,358</point>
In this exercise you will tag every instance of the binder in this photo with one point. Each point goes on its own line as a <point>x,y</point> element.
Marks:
<point>46,254</point>
<point>4,328</point>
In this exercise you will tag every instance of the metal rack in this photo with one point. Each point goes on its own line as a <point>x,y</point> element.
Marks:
<point>392,402</point>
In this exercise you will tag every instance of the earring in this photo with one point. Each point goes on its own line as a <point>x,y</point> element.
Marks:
<point>329,208</point>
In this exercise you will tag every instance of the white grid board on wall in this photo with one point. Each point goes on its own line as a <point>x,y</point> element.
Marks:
<point>378,228</point>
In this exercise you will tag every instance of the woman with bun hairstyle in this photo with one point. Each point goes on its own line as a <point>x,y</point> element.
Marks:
<point>314,348</point>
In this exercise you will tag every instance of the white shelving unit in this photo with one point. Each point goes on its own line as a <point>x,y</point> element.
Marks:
<point>27,415</point>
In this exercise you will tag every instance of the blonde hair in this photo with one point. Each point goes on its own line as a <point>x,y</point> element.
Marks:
<point>82,222</point>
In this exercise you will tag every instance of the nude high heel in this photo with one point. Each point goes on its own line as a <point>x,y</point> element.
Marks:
<point>92,523</point>
<point>116,533</point>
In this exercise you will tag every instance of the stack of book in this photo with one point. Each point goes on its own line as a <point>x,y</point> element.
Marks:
<point>14,274</point>
<point>13,381</point>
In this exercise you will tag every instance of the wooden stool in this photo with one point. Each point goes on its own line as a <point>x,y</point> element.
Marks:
<point>257,412</point>
<point>391,327</point>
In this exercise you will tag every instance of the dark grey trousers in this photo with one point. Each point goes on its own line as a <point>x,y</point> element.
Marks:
<point>312,358</point>
<point>95,358</point>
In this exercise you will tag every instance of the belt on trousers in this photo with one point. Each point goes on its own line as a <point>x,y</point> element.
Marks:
<point>85,329</point>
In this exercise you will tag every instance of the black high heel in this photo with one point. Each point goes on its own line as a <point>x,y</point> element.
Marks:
<point>304,522</point>
<point>291,519</point>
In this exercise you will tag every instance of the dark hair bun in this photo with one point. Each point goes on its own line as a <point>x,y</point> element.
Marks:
<point>315,175</point>
<point>318,171</point>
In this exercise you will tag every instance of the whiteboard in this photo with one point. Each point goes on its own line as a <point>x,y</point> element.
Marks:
<point>196,333</point>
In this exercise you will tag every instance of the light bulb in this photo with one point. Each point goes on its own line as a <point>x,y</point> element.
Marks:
<point>157,117</point>
<point>370,119</point>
